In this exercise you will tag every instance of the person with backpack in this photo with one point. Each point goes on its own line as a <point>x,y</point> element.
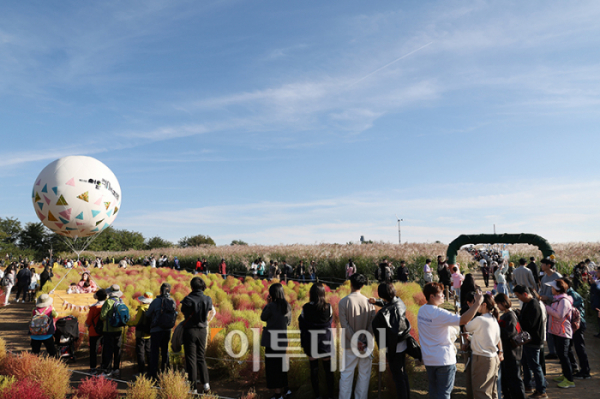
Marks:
<point>42,326</point>
<point>163,314</point>
<point>578,341</point>
<point>114,315</point>
<point>559,315</point>
<point>95,328</point>
<point>142,332</point>
<point>196,308</point>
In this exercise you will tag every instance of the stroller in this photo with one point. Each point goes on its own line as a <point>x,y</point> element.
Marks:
<point>66,336</point>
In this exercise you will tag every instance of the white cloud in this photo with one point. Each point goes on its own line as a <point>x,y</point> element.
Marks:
<point>559,212</point>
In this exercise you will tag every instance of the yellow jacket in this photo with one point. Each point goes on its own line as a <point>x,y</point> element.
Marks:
<point>141,310</point>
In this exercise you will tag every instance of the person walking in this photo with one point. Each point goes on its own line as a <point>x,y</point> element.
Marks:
<point>43,325</point>
<point>356,314</point>
<point>95,328</point>
<point>142,326</point>
<point>350,269</point>
<point>499,274</point>
<point>486,346</point>
<point>315,320</point>
<point>485,271</point>
<point>559,315</point>
<point>23,281</point>
<point>277,313</point>
<point>438,330</point>
<point>113,335</point>
<point>392,320</point>
<point>9,279</point>
<point>198,310</point>
<point>162,313</point>
<point>512,380</point>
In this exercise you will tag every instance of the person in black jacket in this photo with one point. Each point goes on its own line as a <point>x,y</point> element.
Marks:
<point>315,319</point>
<point>392,318</point>
<point>532,321</point>
<point>534,270</point>
<point>46,276</point>
<point>402,272</point>
<point>512,381</point>
<point>466,288</point>
<point>196,308</point>
<point>277,313</point>
<point>23,281</point>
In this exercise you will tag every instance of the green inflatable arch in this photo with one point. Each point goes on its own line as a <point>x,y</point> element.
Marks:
<point>522,238</point>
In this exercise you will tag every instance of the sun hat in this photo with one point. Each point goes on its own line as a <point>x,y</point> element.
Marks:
<point>44,301</point>
<point>114,291</point>
<point>553,285</point>
<point>146,298</point>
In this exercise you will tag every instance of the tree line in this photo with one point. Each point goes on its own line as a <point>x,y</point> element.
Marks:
<point>34,240</point>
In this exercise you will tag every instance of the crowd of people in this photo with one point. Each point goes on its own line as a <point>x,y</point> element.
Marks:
<point>503,344</point>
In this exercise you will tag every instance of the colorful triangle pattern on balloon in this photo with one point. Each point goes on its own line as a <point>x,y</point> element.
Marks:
<point>80,223</point>
<point>51,217</point>
<point>71,228</point>
<point>116,210</point>
<point>66,213</point>
<point>71,182</point>
<point>37,197</point>
<point>96,229</point>
<point>105,226</point>
<point>95,213</point>
<point>61,201</point>
<point>59,225</point>
<point>41,205</point>
<point>99,221</point>
<point>65,221</point>
<point>42,217</point>
<point>107,204</point>
<point>109,213</point>
<point>47,200</point>
<point>38,182</point>
<point>80,216</point>
<point>85,196</point>
<point>55,189</point>
<point>32,193</point>
<point>98,201</point>
<point>45,189</point>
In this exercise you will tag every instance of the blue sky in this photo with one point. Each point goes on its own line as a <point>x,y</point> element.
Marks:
<point>304,122</point>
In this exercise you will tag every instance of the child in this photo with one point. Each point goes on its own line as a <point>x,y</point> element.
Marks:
<point>142,332</point>
<point>457,280</point>
<point>38,335</point>
<point>92,323</point>
<point>33,286</point>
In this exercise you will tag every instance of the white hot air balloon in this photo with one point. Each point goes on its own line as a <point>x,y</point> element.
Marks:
<point>76,197</point>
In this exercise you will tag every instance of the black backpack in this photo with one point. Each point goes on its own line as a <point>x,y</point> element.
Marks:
<point>168,313</point>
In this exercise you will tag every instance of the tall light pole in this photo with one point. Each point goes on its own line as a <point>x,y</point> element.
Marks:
<point>399,231</point>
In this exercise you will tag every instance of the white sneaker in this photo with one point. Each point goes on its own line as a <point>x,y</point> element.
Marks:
<point>206,387</point>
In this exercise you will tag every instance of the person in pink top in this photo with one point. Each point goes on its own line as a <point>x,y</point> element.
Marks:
<point>457,280</point>
<point>86,285</point>
<point>560,313</point>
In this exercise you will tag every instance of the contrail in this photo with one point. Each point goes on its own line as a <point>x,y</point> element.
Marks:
<point>387,65</point>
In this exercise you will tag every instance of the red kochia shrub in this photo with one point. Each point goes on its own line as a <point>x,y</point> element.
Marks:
<point>25,389</point>
<point>97,388</point>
